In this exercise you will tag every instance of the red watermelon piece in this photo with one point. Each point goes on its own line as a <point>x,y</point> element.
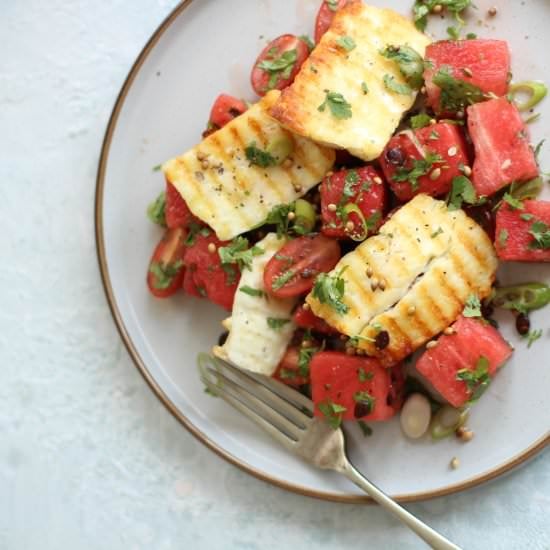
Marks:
<point>514,239</point>
<point>338,379</point>
<point>177,211</point>
<point>443,139</point>
<point>288,371</point>
<point>305,318</point>
<point>363,187</point>
<point>483,63</point>
<point>501,141</point>
<point>472,340</point>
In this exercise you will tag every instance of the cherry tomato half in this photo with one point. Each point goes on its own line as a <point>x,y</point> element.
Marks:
<point>176,211</point>
<point>278,63</point>
<point>288,371</point>
<point>293,269</point>
<point>326,14</point>
<point>166,269</point>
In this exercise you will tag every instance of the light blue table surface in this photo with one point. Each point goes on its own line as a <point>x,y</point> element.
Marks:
<point>89,459</point>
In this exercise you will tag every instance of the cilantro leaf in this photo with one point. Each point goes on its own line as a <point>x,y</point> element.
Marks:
<point>420,121</point>
<point>194,230</point>
<point>279,68</point>
<point>156,211</point>
<point>332,413</point>
<point>526,190</point>
<point>477,380</point>
<point>237,252</point>
<point>363,375</point>
<point>337,104</point>
<point>541,236</point>
<point>419,168</point>
<point>310,44</point>
<point>409,62</point>
<point>347,43</point>
<point>259,157</point>
<point>456,94</point>
<point>332,4</point>
<point>304,358</point>
<point>532,336</point>
<point>502,238</point>
<point>164,273</point>
<point>255,292</point>
<point>514,203</point>
<point>275,323</point>
<point>281,280</point>
<point>422,9</point>
<point>391,84</point>
<point>365,399</point>
<point>329,289</point>
<point>472,307</point>
<point>462,191</point>
<point>365,428</point>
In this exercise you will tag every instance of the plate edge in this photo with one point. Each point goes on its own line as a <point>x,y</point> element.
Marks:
<point>519,459</point>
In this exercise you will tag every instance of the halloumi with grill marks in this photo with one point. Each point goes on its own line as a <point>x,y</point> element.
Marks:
<point>376,112</point>
<point>251,344</point>
<point>430,261</point>
<point>224,190</point>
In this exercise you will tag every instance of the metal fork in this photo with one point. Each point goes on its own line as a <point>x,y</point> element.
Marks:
<point>287,416</point>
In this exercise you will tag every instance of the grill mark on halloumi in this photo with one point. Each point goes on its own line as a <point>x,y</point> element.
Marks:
<point>437,281</point>
<point>375,115</point>
<point>230,194</point>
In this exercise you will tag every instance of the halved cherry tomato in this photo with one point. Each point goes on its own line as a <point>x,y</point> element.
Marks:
<point>293,269</point>
<point>326,14</point>
<point>287,371</point>
<point>278,63</point>
<point>177,212</point>
<point>206,275</point>
<point>166,268</point>
<point>305,318</point>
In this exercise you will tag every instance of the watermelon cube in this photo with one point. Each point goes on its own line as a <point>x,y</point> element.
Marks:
<point>305,318</point>
<point>523,235</point>
<point>473,344</point>
<point>407,151</point>
<point>348,387</point>
<point>483,63</point>
<point>177,211</point>
<point>501,142</point>
<point>358,196</point>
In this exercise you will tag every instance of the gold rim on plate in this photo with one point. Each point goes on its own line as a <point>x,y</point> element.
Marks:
<point>530,452</point>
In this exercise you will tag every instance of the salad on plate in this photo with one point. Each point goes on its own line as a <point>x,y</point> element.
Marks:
<point>352,220</point>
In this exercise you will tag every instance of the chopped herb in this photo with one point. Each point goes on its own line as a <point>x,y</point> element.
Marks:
<point>256,292</point>
<point>372,221</point>
<point>462,191</point>
<point>454,33</point>
<point>434,135</point>
<point>332,4</point>
<point>276,323</point>
<point>259,157</point>
<point>366,399</point>
<point>365,428</point>
<point>394,86</point>
<point>471,36</point>
<point>538,149</point>
<point>310,44</point>
<point>477,380</point>
<point>363,375</point>
<point>194,230</point>
<point>532,336</point>
<point>472,307</point>
<point>514,203</point>
<point>304,358</point>
<point>422,9</point>
<point>337,104</point>
<point>329,289</point>
<point>288,374</point>
<point>364,88</point>
<point>278,68</point>
<point>164,274</point>
<point>237,252</point>
<point>231,272</point>
<point>541,235</point>
<point>409,62</point>
<point>346,42</point>
<point>156,211</point>
<point>420,167</point>
<point>352,177</point>
<point>157,168</point>
<point>279,216</point>
<point>420,121</point>
<point>456,94</point>
<point>436,233</point>
<point>332,413</point>
<point>502,238</point>
<point>527,189</point>
<point>281,280</point>
<point>526,217</point>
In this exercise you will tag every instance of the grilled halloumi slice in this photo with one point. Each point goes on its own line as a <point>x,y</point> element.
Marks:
<point>429,260</point>
<point>358,75</point>
<point>224,190</point>
<point>252,344</point>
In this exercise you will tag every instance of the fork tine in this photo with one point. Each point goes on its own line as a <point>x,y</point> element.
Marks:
<point>291,411</point>
<point>247,411</point>
<point>249,398</point>
<point>294,397</point>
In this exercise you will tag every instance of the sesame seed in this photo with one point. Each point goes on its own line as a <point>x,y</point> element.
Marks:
<point>287,163</point>
<point>382,285</point>
<point>438,8</point>
<point>452,151</point>
<point>291,215</point>
<point>201,155</point>
<point>467,71</point>
<point>506,164</point>
<point>205,164</point>
<point>374,283</point>
<point>370,272</point>
<point>377,180</point>
<point>306,307</point>
<point>298,188</point>
<point>449,331</point>
<point>411,310</point>
<point>332,207</point>
<point>350,226</point>
<point>464,434</point>
<point>307,343</point>
<point>460,114</point>
<point>433,121</point>
<point>492,11</point>
<point>467,171</point>
<point>431,344</point>
<point>423,89</point>
<point>455,463</point>
<point>435,174</point>
<point>211,248</point>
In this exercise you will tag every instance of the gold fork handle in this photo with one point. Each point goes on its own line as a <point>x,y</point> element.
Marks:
<point>433,538</point>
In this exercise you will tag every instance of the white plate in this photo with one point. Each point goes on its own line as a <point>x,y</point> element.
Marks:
<point>203,48</point>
